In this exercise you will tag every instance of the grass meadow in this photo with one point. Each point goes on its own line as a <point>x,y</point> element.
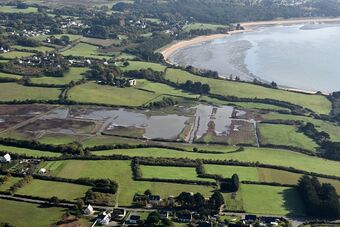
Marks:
<point>47,189</point>
<point>285,135</point>
<point>74,74</point>
<point>273,200</point>
<point>28,152</point>
<point>84,50</point>
<point>14,9</point>
<point>163,89</point>
<point>204,26</point>
<point>12,76</point>
<point>6,186</point>
<point>13,91</point>
<point>329,127</point>
<point>138,65</point>
<point>317,103</point>
<point>102,94</point>
<point>250,154</point>
<point>120,171</point>
<point>39,48</point>
<point>27,214</point>
<point>171,172</point>
<point>15,54</point>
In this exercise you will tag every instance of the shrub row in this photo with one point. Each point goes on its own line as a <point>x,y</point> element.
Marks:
<point>178,181</point>
<point>268,183</point>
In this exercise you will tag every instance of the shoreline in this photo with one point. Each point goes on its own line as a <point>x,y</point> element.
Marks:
<point>167,52</point>
<point>171,49</point>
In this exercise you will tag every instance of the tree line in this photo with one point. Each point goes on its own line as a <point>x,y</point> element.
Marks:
<point>320,200</point>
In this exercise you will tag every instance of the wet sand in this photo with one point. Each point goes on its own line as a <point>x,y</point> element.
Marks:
<point>249,26</point>
<point>167,52</point>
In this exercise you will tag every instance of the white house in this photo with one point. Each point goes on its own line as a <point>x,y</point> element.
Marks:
<point>6,158</point>
<point>133,82</point>
<point>104,218</point>
<point>89,210</point>
<point>42,171</point>
<point>88,61</point>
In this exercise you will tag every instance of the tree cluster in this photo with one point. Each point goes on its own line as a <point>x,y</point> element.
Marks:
<point>310,131</point>
<point>196,87</point>
<point>197,202</point>
<point>230,185</point>
<point>320,200</point>
<point>21,183</point>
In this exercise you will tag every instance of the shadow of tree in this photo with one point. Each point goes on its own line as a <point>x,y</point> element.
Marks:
<point>293,203</point>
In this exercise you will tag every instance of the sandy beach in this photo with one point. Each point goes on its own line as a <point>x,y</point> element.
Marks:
<point>167,52</point>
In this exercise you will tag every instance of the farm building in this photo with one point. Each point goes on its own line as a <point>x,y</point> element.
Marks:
<point>89,210</point>
<point>104,218</point>
<point>133,82</point>
<point>42,171</point>
<point>6,158</point>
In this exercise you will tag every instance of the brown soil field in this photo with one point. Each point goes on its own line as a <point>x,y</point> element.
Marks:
<point>10,121</point>
<point>60,124</point>
<point>24,109</point>
<point>244,135</point>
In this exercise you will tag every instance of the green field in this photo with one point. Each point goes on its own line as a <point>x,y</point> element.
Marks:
<point>15,54</point>
<point>47,189</point>
<point>163,89</point>
<point>108,140</point>
<point>120,171</point>
<point>125,56</point>
<point>203,26</point>
<point>58,36</point>
<point>84,50</point>
<point>51,138</point>
<point>29,152</point>
<point>273,200</point>
<point>100,42</point>
<point>14,9</point>
<point>332,129</point>
<point>263,174</point>
<point>233,201</point>
<point>250,154</point>
<point>6,186</point>
<point>285,135</point>
<point>137,65</point>
<point>170,172</point>
<point>244,173</point>
<point>13,91</point>
<point>317,103</point>
<point>74,74</point>
<point>246,105</point>
<point>101,94</point>
<point>12,76</point>
<point>39,48</point>
<point>27,214</point>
